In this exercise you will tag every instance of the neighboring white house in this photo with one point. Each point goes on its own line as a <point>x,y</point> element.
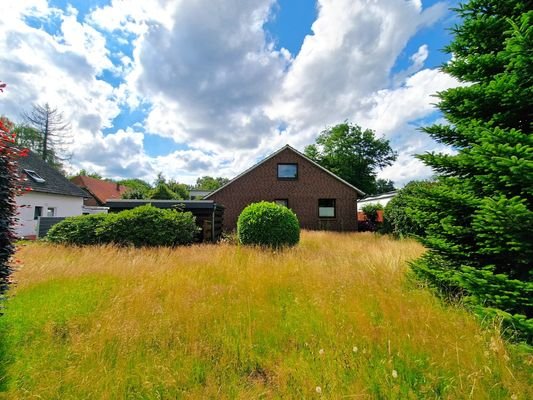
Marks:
<point>382,199</point>
<point>50,195</point>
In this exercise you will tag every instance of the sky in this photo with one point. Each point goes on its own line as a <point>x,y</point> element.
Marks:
<point>210,87</point>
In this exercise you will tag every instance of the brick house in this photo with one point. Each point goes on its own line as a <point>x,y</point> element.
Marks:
<point>320,199</point>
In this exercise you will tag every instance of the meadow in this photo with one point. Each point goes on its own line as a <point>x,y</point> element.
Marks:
<point>335,317</point>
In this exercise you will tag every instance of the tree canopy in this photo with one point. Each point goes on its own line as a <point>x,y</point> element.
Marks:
<point>210,183</point>
<point>353,154</point>
<point>479,218</point>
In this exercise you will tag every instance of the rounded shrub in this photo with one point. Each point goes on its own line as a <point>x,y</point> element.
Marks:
<point>148,226</point>
<point>268,224</point>
<point>79,230</point>
<point>399,217</point>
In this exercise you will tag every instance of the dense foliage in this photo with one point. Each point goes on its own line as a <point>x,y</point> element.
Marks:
<point>210,183</point>
<point>478,220</point>
<point>371,222</point>
<point>10,185</point>
<point>79,230</point>
<point>268,224</point>
<point>399,214</point>
<point>141,226</point>
<point>353,154</point>
<point>162,192</point>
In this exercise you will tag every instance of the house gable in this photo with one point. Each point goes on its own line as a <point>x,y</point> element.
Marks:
<point>302,185</point>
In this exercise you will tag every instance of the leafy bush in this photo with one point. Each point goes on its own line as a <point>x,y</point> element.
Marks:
<point>141,226</point>
<point>371,223</point>
<point>268,224</point>
<point>79,230</point>
<point>148,226</point>
<point>162,192</point>
<point>399,218</point>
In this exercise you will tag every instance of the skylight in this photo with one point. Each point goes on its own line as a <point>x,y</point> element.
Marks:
<point>34,175</point>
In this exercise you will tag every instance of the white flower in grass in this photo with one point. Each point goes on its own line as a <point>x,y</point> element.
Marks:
<point>355,349</point>
<point>321,352</point>
<point>394,374</point>
<point>318,389</point>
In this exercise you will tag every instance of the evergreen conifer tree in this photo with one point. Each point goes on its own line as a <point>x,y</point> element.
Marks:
<point>479,219</point>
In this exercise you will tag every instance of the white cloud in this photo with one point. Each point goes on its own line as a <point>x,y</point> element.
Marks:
<point>214,82</point>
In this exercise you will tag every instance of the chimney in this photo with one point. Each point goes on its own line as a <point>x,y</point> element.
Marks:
<point>118,187</point>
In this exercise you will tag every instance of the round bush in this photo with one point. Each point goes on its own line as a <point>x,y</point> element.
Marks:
<point>148,226</point>
<point>80,230</point>
<point>399,218</point>
<point>268,224</point>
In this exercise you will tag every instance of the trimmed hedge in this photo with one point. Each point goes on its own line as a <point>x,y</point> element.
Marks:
<point>80,230</point>
<point>142,226</point>
<point>268,224</point>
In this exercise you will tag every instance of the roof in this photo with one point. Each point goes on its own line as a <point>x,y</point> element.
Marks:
<point>101,190</point>
<point>188,204</point>
<point>381,196</point>
<point>52,182</point>
<point>288,147</point>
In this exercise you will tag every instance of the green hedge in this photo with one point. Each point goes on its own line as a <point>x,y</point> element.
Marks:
<point>80,230</point>
<point>268,224</point>
<point>141,226</point>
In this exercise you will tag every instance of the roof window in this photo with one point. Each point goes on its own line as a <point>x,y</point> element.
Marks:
<point>34,175</point>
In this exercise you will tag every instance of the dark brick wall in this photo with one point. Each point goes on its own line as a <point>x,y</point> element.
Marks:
<point>261,183</point>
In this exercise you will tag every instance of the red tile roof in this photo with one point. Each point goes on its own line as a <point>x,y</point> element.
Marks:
<point>101,190</point>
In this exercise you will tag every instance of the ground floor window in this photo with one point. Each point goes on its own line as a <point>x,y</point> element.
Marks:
<point>38,212</point>
<point>282,202</point>
<point>50,212</point>
<point>326,208</point>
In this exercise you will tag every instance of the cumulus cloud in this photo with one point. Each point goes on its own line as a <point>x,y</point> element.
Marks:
<point>210,81</point>
<point>213,81</point>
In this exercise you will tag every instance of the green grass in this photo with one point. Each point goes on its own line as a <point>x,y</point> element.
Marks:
<point>335,313</point>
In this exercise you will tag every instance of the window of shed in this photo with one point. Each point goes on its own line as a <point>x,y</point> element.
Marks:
<point>287,171</point>
<point>50,212</point>
<point>326,208</point>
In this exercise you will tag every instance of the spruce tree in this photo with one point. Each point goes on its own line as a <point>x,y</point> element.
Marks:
<point>479,219</point>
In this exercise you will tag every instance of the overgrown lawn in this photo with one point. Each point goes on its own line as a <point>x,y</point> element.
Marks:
<point>334,317</point>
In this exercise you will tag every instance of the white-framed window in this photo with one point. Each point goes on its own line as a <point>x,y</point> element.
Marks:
<point>50,212</point>
<point>326,208</point>
<point>288,171</point>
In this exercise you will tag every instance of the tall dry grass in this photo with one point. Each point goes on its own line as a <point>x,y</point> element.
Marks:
<point>335,317</point>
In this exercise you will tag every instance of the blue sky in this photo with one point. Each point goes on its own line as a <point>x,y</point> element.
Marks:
<point>192,89</point>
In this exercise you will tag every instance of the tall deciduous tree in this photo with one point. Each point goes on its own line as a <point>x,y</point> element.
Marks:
<point>479,219</point>
<point>353,154</point>
<point>54,133</point>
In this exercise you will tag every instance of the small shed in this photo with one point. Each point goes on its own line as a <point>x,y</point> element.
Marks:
<point>209,215</point>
